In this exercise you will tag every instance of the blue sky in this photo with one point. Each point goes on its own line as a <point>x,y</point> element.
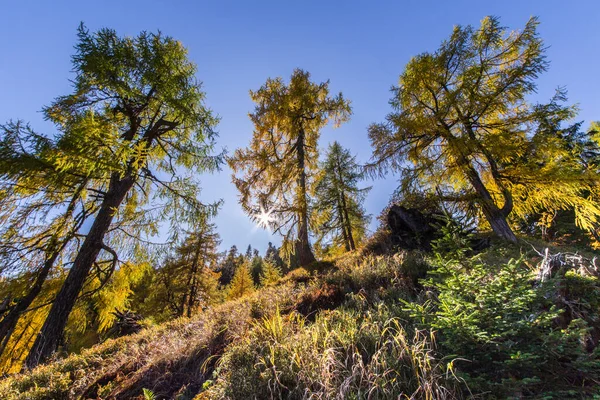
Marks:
<point>361,46</point>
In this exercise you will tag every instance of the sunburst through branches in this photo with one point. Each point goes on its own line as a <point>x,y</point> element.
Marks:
<point>265,219</point>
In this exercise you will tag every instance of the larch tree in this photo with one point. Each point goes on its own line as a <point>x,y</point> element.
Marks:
<point>18,342</point>
<point>338,212</point>
<point>242,283</point>
<point>591,151</point>
<point>42,209</point>
<point>556,174</point>
<point>256,266</point>
<point>249,253</point>
<point>461,117</point>
<point>274,173</point>
<point>95,314</point>
<point>131,139</point>
<point>188,278</point>
<point>270,274</point>
<point>272,255</point>
<point>200,250</point>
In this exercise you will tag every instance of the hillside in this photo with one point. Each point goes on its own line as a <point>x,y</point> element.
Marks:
<point>365,326</point>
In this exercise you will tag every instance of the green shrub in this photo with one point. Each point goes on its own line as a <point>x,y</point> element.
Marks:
<point>505,326</point>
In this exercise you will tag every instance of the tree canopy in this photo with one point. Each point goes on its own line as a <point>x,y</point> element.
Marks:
<point>130,141</point>
<point>463,128</point>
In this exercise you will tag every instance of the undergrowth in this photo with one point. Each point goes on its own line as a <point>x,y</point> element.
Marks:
<point>514,335</point>
<point>170,360</point>
<point>347,353</point>
<point>447,325</point>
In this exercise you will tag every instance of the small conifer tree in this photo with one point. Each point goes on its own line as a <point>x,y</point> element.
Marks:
<point>242,283</point>
<point>270,275</point>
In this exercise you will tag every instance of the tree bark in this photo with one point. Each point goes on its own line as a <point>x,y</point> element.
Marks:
<point>494,215</point>
<point>303,250</point>
<point>508,200</point>
<point>345,218</point>
<point>48,339</point>
<point>343,225</point>
<point>348,224</point>
<point>193,284</point>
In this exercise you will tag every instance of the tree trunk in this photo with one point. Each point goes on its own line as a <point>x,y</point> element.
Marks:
<point>48,339</point>
<point>9,322</point>
<point>343,225</point>
<point>303,250</point>
<point>494,215</point>
<point>500,226</point>
<point>348,227</point>
<point>193,284</point>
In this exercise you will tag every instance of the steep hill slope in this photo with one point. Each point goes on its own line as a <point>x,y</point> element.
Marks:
<point>364,327</point>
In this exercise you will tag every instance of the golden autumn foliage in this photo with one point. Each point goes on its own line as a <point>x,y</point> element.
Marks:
<point>463,130</point>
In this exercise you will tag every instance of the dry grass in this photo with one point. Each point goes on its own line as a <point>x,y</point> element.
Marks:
<point>167,359</point>
<point>344,354</point>
<point>262,346</point>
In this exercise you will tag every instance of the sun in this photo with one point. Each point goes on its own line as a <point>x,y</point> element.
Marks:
<point>264,219</point>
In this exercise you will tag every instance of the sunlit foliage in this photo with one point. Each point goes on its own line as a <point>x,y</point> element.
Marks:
<point>463,129</point>
<point>242,283</point>
<point>275,172</point>
<point>270,274</point>
<point>131,140</point>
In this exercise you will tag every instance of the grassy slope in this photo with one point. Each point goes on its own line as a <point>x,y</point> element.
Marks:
<point>168,358</point>
<point>338,334</point>
<point>177,358</point>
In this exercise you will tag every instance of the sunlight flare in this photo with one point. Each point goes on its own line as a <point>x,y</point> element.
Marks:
<point>264,219</point>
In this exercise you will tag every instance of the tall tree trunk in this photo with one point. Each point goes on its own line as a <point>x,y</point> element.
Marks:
<point>191,298</point>
<point>348,223</point>
<point>303,250</point>
<point>193,284</point>
<point>343,225</point>
<point>48,339</point>
<point>508,200</point>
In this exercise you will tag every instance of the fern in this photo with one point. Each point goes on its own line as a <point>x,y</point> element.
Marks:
<point>148,394</point>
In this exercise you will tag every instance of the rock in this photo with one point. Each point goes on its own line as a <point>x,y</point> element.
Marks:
<point>411,229</point>
<point>127,323</point>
